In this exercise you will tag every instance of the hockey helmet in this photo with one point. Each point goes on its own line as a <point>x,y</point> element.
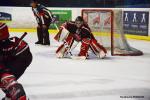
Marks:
<point>4,34</point>
<point>79,21</point>
<point>79,18</point>
<point>34,1</point>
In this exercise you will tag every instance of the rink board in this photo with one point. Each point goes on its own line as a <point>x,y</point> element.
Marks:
<point>146,38</point>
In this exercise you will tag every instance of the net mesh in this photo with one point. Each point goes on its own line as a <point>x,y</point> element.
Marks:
<point>107,26</point>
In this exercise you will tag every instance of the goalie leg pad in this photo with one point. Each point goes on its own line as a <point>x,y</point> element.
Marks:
<point>68,53</point>
<point>98,49</point>
<point>60,51</point>
<point>64,47</point>
<point>62,34</point>
<point>84,47</point>
<point>74,44</point>
<point>57,36</point>
<point>13,88</point>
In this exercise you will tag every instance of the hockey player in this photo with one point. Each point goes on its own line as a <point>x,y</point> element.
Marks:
<point>76,31</point>
<point>44,19</point>
<point>15,57</point>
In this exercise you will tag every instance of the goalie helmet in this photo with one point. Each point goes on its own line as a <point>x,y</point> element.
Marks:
<point>79,18</point>
<point>4,34</point>
<point>79,21</point>
<point>34,1</point>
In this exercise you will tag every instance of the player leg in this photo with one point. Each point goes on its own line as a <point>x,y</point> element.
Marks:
<point>65,47</point>
<point>46,34</point>
<point>39,35</point>
<point>98,49</point>
<point>83,54</point>
<point>13,89</point>
<point>17,68</point>
<point>3,70</point>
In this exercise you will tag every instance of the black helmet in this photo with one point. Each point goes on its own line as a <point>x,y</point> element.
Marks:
<point>34,1</point>
<point>79,18</point>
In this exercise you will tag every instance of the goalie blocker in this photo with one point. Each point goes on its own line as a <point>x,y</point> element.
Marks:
<point>78,31</point>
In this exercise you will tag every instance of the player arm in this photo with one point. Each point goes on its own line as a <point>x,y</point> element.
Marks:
<point>48,13</point>
<point>36,16</point>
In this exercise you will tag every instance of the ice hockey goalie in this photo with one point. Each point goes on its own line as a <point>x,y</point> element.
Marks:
<point>73,32</point>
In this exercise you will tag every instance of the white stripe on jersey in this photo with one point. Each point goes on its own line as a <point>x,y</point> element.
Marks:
<point>2,26</point>
<point>22,50</point>
<point>42,20</point>
<point>48,13</point>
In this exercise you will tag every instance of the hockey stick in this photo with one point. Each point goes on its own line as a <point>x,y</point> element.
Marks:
<point>56,26</point>
<point>19,40</point>
<point>53,21</point>
<point>16,45</point>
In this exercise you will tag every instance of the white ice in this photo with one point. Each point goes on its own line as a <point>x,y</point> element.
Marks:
<point>50,78</point>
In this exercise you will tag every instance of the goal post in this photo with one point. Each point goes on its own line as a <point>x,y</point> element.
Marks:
<point>107,26</point>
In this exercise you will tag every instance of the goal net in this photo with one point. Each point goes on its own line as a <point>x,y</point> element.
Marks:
<point>107,26</point>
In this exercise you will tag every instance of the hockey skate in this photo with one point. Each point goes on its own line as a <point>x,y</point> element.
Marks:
<point>102,54</point>
<point>38,42</point>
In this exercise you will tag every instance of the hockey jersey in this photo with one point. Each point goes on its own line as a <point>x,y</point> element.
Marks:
<point>84,31</point>
<point>42,14</point>
<point>9,49</point>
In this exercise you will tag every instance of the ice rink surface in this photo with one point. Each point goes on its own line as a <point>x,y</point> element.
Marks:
<point>113,78</point>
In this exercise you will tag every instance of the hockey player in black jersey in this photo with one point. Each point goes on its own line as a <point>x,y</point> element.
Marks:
<point>44,19</point>
<point>15,57</point>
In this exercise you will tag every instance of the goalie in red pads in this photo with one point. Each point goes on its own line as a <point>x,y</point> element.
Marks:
<point>76,31</point>
<point>15,57</point>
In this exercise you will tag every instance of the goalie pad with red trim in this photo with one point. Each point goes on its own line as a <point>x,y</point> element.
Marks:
<point>66,48</point>
<point>85,44</point>
<point>98,49</point>
<point>62,34</point>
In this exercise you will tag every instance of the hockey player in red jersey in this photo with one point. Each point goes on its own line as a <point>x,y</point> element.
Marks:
<point>76,31</point>
<point>15,57</point>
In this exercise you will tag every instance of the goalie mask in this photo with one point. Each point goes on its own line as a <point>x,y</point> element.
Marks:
<point>4,34</point>
<point>79,21</point>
